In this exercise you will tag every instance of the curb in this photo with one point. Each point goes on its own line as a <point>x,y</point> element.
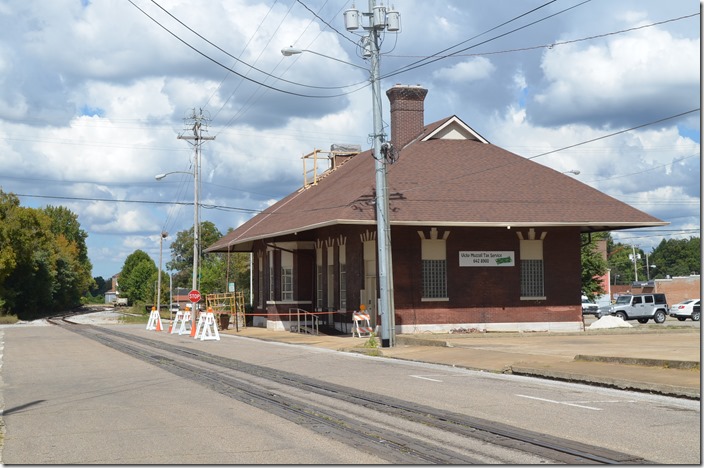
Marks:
<point>667,390</point>
<point>666,363</point>
<point>411,341</point>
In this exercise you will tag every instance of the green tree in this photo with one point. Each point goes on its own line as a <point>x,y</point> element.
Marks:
<point>8,257</point>
<point>73,279</point>
<point>44,263</point>
<point>135,276</point>
<point>676,257</point>
<point>182,252</point>
<point>29,271</point>
<point>594,266</point>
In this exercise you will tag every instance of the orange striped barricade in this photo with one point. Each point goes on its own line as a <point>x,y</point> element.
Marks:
<point>154,320</point>
<point>207,328</point>
<point>366,327</point>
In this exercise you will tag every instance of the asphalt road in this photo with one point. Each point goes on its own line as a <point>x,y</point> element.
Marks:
<point>67,399</point>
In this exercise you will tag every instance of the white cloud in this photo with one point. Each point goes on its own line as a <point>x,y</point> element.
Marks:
<point>629,72</point>
<point>476,69</point>
<point>59,60</point>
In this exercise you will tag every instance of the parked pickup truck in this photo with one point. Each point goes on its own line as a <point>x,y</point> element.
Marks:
<point>641,307</point>
<point>120,302</point>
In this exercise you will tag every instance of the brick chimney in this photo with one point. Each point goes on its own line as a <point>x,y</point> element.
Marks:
<point>406,113</point>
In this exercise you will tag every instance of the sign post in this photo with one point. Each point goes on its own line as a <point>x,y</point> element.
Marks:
<point>194,297</point>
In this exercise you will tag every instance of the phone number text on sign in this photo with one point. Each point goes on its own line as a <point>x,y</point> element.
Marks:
<point>487,258</point>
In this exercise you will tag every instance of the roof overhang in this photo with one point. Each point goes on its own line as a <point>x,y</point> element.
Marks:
<point>247,244</point>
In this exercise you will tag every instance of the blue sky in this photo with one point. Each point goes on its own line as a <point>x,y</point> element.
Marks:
<point>94,96</point>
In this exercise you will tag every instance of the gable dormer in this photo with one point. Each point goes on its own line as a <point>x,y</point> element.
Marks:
<point>454,129</point>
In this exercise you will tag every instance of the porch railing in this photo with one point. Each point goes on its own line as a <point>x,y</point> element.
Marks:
<point>307,318</point>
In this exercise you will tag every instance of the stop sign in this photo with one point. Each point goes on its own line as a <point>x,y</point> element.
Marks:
<point>194,296</point>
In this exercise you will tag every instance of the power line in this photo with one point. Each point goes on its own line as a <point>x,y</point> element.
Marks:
<point>467,174</point>
<point>616,133</point>
<point>144,202</point>
<point>428,62</point>
<point>244,76</point>
<point>229,54</point>
<point>647,170</point>
<point>326,23</point>
<point>559,43</point>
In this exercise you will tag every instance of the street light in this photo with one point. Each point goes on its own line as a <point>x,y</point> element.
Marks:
<point>573,171</point>
<point>379,19</point>
<point>289,51</point>
<point>196,226</point>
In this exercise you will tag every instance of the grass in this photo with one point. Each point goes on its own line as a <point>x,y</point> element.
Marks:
<point>8,319</point>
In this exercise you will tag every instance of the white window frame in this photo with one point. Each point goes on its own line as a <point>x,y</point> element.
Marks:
<point>286,276</point>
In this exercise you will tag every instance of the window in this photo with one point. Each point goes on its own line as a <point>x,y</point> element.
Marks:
<point>532,278</point>
<point>286,276</point>
<point>271,275</point>
<point>319,278</point>
<point>331,277</point>
<point>260,265</point>
<point>434,265</point>
<point>434,279</point>
<point>532,269</point>
<point>343,278</point>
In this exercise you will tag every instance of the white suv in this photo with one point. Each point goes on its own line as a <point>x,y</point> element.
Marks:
<point>641,307</point>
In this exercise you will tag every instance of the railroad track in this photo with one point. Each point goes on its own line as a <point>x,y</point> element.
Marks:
<point>353,417</point>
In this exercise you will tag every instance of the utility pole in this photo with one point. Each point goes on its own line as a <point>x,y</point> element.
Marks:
<point>379,20</point>
<point>197,138</point>
<point>634,258</point>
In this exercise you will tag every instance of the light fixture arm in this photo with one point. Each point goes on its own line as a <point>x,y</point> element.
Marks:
<point>289,51</point>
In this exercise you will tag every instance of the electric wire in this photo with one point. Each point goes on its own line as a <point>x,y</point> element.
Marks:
<point>252,67</point>
<point>559,43</point>
<point>326,23</point>
<point>467,174</point>
<point>260,83</point>
<point>436,54</point>
<point>416,188</point>
<point>144,202</point>
<point>424,62</point>
<point>227,74</point>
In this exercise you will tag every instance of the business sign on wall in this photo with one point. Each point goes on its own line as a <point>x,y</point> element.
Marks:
<point>487,259</point>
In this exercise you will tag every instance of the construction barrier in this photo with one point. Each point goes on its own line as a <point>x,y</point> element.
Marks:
<point>366,327</point>
<point>179,324</point>
<point>207,328</point>
<point>154,320</point>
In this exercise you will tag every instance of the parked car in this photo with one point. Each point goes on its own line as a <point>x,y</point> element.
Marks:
<point>588,307</point>
<point>641,307</point>
<point>686,309</point>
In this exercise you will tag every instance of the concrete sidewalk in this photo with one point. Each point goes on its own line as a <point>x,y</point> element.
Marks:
<point>663,361</point>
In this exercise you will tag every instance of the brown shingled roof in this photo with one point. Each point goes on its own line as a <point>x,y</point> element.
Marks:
<point>444,182</point>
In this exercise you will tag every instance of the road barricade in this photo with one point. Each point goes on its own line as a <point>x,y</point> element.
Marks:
<point>154,320</point>
<point>207,328</point>
<point>363,319</point>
